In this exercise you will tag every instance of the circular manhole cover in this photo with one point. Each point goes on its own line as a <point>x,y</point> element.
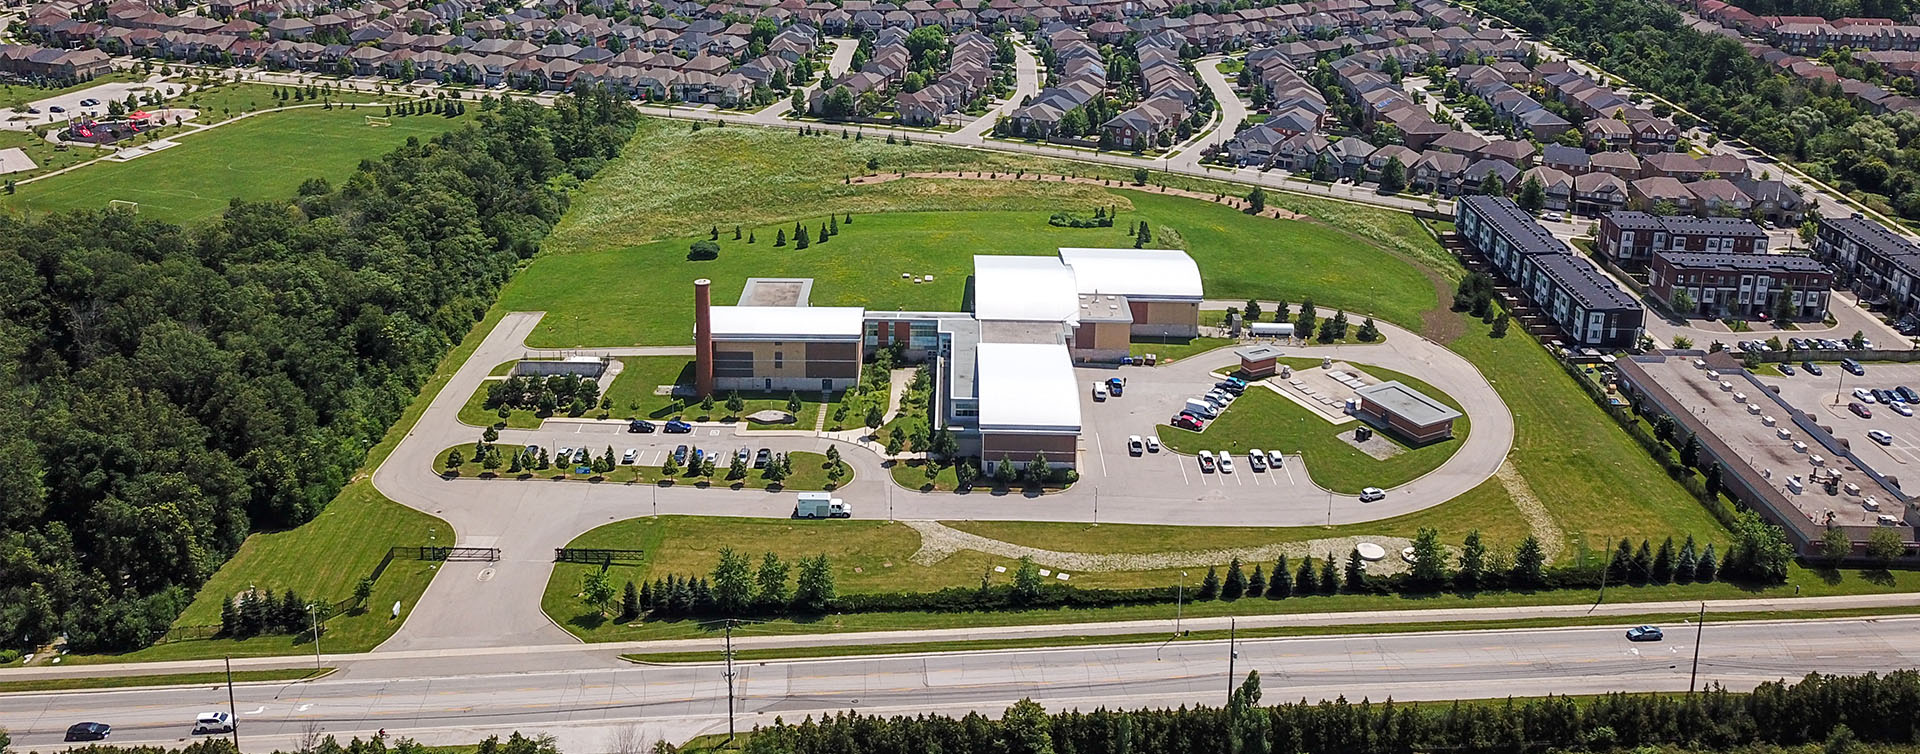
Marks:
<point>486,574</point>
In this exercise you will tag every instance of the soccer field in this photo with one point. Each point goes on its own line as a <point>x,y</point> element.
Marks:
<point>263,157</point>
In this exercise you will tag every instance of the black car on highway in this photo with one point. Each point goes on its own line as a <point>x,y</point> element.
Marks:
<point>89,731</point>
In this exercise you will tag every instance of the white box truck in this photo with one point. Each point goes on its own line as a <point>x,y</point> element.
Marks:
<point>1200,408</point>
<point>821,505</point>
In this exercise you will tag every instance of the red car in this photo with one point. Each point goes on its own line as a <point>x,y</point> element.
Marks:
<point>1186,421</point>
<point>1860,411</point>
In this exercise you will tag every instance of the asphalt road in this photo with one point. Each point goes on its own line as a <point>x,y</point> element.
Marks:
<point>460,699</point>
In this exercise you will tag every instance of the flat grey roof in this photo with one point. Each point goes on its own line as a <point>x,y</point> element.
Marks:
<point>1408,403</point>
<point>1257,353</point>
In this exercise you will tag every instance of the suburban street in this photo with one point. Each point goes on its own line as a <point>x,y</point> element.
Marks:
<point>463,698</point>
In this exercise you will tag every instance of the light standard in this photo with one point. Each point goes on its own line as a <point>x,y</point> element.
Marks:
<point>313,612</point>
<point>1179,602</point>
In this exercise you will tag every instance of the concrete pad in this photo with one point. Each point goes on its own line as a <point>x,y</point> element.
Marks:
<point>15,160</point>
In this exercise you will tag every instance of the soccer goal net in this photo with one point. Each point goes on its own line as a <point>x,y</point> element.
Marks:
<point>379,120</point>
<point>133,207</point>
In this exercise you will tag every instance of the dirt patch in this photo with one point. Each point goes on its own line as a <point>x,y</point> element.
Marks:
<point>1230,201</point>
<point>937,541</point>
<point>1539,522</point>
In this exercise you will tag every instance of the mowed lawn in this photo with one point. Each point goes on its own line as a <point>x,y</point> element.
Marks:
<point>872,556</point>
<point>1265,420</point>
<point>600,299</point>
<point>263,157</point>
<point>644,294</point>
<point>1598,484</point>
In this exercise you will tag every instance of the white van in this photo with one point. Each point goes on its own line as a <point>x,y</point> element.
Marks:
<point>1201,408</point>
<point>212,722</point>
<point>1099,391</point>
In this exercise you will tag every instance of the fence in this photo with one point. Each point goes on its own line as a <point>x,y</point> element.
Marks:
<point>596,556</point>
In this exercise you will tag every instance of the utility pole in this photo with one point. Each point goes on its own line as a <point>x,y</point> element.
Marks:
<point>1232,654</point>
<point>730,706</point>
<point>313,612</point>
<point>1699,628</point>
<point>1179,601</point>
<point>233,713</point>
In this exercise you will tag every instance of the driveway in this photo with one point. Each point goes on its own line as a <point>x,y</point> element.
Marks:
<point>1026,68</point>
<point>528,519</point>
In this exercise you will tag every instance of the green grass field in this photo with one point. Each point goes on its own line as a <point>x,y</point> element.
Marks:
<point>872,556</point>
<point>1262,419</point>
<point>265,157</point>
<point>1237,254</point>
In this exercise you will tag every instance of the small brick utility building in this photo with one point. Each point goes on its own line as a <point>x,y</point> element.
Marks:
<point>1407,412</point>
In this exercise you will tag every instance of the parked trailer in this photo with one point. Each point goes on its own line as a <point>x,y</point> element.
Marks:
<point>1271,329</point>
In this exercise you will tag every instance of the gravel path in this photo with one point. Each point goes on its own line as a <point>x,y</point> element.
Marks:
<point>1539,521</point>
<point>937,541</point>
<point>1228,200</point>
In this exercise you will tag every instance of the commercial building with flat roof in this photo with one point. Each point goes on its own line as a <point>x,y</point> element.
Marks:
<point>1775,457</point>
<point>1590,309</point>
<point>1407,412</point>
<point>781,348</point>
<point>1161,286</point>
<point>1867,257</point>
<point>1029,403</point>
<point>1742,285</point>
<point>1631,238</point>
<point>1003,372</point>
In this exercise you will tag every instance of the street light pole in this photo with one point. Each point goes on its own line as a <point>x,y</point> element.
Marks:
<point>313,612</point>
<point>233,712</point>
<point>730,705</point>
<point>1699,629</point>
<point>1232,654</point>
<point>1179,602</point>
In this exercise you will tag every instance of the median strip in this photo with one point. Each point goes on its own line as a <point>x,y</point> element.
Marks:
<point>1080,640</point>
<point>171,679</point>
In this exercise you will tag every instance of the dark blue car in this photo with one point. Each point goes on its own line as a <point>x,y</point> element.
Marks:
<point>678,427</point>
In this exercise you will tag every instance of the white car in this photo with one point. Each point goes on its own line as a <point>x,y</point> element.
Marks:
<point>1135,446</point>
<point>1880,436</point>
<point>1901,409</point>
<point>632,455</point>
<point>1274,459</point>
<point>1206,460</point>
<point>1153,444</point>
<point>1863,396</point>
<point>1256,460</point>
<point>1226,463</point>
<point>1371,494</point>
<point>1099,391</point>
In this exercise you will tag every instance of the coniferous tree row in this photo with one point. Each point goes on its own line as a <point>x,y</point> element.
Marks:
<point>1816,709</point>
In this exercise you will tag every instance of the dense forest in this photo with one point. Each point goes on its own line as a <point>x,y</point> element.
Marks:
<point>169,389</point>
<point>1832,137</point>
<point>1840,712</point>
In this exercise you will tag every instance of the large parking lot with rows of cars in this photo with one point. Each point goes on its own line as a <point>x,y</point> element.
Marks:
<point>1871,406</point>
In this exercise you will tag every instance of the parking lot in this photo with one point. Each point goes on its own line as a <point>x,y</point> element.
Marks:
<point>1826,397</point>
<point>1151,397</point>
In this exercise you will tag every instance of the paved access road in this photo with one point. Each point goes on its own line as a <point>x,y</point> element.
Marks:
<point>462,699</point>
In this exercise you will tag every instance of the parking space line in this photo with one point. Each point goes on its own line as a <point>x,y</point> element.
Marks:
<point>1100,449</point>
<point>1183,471</point>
